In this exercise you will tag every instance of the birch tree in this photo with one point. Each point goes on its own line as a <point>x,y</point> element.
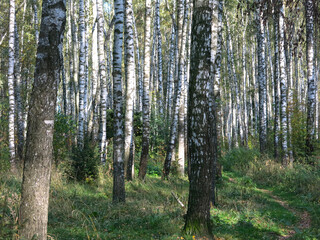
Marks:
<point>311,92</point>
<point>11,87</point>
<point>38,158</point>
<point>118,143</point>
<point>145,99</point>
<point>261,78</point>
<point>199,122</point>
<point>103,81</point>
<point>283,88</point>
<point>130,89</point>
<point>276,80</point>
<point>82,76</point>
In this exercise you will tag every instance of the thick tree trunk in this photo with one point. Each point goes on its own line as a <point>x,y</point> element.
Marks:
<point>118,143</point>
<point>37,165</point>
<point>199,123</point>
<point>145,104</point>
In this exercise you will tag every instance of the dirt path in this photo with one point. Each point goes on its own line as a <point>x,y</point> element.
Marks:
<point>304,217</point>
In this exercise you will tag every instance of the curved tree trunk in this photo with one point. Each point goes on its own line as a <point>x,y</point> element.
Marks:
<point>37,165</point>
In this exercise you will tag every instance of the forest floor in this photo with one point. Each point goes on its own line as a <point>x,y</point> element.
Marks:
<point>245,210</point>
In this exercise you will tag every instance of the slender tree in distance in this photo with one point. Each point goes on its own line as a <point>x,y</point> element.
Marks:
<point>145,99</point>
<point>82,77</point>
<point>283,87</point>
<point>261,78</point>
<point>118,140</point>
<point>199,121</point>
<point>311,94</point>
<point>130,89</point>
<point>11,87</point>
<point>103,82</point>
<point>37,164</point>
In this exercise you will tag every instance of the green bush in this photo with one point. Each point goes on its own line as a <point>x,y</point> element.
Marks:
<point>64,132</point>
<point>84,162</point>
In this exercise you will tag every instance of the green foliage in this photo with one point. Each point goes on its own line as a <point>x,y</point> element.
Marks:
<point>239,159</point>
<point>137,128</point>
<point>299,133</point>
<point>64,132</point>
<point>84,162</point>
<point>110,127</point>
<point>4,147</point>
<point>243,211</point>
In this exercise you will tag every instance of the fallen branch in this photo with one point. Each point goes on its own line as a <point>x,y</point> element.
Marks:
<point>178,200</point>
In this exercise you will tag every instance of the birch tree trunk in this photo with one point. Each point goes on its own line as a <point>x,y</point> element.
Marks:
<point>177,101</point>
<point>160,82</point>
<point>182,23</point>
<point>145,104</point>
<point>118,143</point>
<point>262,79</point>
<point>199,123</point>
<point>311,92</point>
<point>276,82</point>
<point>103,82</point>
<point>82,75</point>
<point>13,162</point>
<point>130,89</point>
<point>17,91</point>
<point>37,165</point>
<point>283,88</point>
<point>216,47</point>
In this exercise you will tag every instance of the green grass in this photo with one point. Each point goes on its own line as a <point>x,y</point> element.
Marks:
<point>243,211</point>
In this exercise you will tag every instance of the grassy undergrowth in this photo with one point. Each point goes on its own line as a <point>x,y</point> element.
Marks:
<point>243,211</point>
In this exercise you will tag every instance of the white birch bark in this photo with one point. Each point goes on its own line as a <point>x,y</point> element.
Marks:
<point>103,82</point>
<point>19,108</point>
<point>182,23</point>
<point>311,91</point>
<point>159,38</point>
<point>283,88</point>
<point>276,82</point>
<point>130,89</point>
<point>82,75</point>
<point>11,94</point>
<point>261,78</point>
<point>145,105</point>
<point>118,143</point>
